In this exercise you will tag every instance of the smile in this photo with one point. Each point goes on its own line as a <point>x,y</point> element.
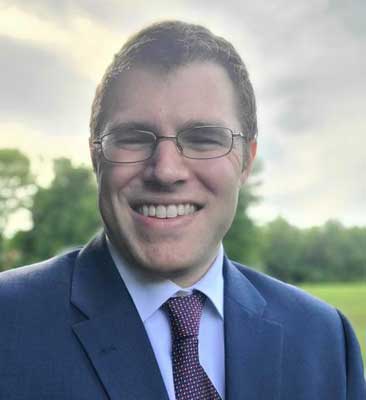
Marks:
<point>167,211</point>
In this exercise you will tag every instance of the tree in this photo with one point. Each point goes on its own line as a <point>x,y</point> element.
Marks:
<point>241,242</point>
<point>329,253</point>
<point>64,214</point>
<point>357,253</point>
<point>282,250</point>
<point>16,184</point>
<point>335,252</point>
<point>16,188</point>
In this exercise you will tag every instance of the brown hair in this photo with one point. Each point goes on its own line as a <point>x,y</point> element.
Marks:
<point>171,44</point>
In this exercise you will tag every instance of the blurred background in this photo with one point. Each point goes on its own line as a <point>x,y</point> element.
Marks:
<point>302,216</point>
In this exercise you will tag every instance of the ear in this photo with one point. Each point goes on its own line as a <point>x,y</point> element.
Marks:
<point>251,156</point>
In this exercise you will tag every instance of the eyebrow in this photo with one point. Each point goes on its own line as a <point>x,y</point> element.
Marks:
<point>143,126</point>
<point>200,122</point>
<point>151,127</point>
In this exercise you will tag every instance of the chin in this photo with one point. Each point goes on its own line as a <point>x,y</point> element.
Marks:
<point>168,259</point>
<point>165,263</point>
<point>183,274</point>
<point>174,264</point>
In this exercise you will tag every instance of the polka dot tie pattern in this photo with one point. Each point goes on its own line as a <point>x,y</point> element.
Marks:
<point>190,379</point>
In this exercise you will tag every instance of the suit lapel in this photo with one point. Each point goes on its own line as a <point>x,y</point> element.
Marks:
<point>113,335</point>
<point>114,338</point>
<point>253,344</point>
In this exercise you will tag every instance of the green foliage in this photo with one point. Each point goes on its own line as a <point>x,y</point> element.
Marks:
<point>2,251</point>
<point>281,252</point>
<point>241,242</point>
<point>16,183</point>
<point>323,254</point>
<point>64,215</point>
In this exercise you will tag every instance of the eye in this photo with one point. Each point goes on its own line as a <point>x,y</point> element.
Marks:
<point>206,137</point>
<point>129,139</point>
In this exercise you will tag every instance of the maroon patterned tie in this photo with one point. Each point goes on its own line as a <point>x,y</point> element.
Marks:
<point>190,379</point>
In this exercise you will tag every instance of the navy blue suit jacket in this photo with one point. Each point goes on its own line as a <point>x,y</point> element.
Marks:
<point>69,330</point>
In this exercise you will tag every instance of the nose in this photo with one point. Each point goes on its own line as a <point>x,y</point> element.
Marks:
<point>167,166</point>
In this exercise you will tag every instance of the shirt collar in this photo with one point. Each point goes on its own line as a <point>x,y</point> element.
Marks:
<point>150,294</point>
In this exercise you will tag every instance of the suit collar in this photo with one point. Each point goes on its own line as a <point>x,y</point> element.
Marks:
<point>96,284</point>
<point>241,291</point>
<point>253,342</point>
<point>114,338</point>
<point>149,293</point>
<point>113,335</point>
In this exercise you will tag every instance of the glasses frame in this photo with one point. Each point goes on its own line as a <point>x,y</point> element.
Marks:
<point>234,134</point>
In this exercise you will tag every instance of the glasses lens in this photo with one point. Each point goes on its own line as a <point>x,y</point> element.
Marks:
<point>128,145</point>
<point>205,142</point>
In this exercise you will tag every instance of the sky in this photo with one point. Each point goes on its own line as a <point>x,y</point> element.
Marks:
<point>306,60</point>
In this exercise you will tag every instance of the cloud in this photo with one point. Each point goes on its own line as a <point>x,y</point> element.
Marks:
<point>54,11</point>
<point>125,16</point>
<point>40,89</point>
<point>351,15</point>
<point>84,46</point>
<point>308,67</point>
<point>305,58</point>
<point>313,64</point>
<point>316,177</point>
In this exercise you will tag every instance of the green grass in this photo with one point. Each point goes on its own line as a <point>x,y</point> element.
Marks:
<point>350,299</point>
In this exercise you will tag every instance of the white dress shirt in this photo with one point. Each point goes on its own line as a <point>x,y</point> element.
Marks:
<point>149,295</point>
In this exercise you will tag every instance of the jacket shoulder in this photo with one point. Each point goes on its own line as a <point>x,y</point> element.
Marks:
<point>37,280</point>
<point>315,333</point>
<point>287,301</point>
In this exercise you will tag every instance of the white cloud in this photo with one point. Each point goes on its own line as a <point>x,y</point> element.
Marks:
<point>306,60</point>
<point>316,177</point>
<point>87,46</point>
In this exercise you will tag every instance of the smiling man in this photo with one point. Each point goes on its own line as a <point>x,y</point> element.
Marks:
<point>168,211</point>
<point>152,308</point>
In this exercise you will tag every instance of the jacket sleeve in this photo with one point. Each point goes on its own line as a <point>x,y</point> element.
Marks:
<point>356,384</point>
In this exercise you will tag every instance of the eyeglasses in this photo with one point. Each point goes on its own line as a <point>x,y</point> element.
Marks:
<point>130,145</point>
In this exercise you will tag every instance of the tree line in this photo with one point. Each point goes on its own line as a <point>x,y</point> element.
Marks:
<point>65,214</point>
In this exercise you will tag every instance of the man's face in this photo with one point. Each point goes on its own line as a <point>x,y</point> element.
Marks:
<point>183,247</point>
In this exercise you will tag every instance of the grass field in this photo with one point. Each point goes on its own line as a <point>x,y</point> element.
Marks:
<point>350,299</point>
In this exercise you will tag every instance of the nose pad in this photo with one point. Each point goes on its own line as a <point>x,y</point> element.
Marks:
<point>167,165</point>
<point>179,147</point>
<point>173,139</point>
<point>167,151</point>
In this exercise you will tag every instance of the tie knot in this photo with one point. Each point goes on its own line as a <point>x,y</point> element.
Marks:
<point>185,314</point>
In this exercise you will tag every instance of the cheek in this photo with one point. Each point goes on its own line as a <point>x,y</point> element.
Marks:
<point>222,176</point>
<point>238,158</point>
<point>117,178</point>
<point>105,186</point>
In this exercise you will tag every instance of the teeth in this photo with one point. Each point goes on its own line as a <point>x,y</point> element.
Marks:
<point>169,211</point>
<point>161,211</point>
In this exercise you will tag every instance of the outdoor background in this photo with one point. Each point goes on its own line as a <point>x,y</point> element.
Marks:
<point>301,218</point>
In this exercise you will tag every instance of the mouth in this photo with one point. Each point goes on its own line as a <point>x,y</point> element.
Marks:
<point>163,211</point>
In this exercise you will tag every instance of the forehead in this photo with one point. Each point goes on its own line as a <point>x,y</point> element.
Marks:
<point>199,91</point>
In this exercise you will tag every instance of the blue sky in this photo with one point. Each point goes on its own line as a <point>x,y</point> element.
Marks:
<point>307,62</point>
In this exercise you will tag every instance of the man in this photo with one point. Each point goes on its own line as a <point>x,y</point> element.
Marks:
<point>152,308</point>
